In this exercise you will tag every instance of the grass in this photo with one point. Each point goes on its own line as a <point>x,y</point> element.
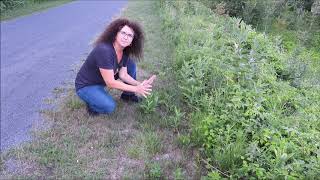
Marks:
<point>29,8</point>
<point>135,142</point>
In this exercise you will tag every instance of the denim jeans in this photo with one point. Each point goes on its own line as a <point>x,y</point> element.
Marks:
<point>132,71</point>
<point>98,99</point>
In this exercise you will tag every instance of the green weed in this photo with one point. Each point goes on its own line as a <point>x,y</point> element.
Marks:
<point>134,152</point>
<point>154,171</point>
<point>183,140</point>
<point>150,104</point>
<point>178,174</point>
<point>153,143</point>
<point>74,103</point>
<point>145,145</point>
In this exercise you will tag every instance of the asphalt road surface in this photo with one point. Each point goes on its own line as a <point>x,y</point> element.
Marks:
<point>38,53</point>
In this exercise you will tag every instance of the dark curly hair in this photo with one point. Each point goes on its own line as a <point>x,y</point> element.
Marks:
<point>109,35</point>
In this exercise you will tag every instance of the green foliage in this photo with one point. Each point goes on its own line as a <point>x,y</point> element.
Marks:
<point>51,156</point>
<point>153,143</point>
<point>213,175</point>
<point>154,171</point>
<point>254,111</point>
<point>74,103</point>
<point>178,174</point>
<point>174,120</point>
<point>262,14</point>
<point>11,4</point>
<point>292,20</point>
<point>315,41</point>
<point>6,5</point>
<point>289,40</point>
<point>183,140</point>
<point>14,8</point>
<point>150,104</point>
<point>146,144</point>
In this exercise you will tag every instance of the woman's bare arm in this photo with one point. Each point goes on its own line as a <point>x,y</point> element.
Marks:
<point>143,89</point>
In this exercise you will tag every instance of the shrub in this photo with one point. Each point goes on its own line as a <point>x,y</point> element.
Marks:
<point>7,5</point>
<point>252,109</point>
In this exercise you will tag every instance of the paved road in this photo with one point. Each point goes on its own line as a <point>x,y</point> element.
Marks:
<point>38,53</point>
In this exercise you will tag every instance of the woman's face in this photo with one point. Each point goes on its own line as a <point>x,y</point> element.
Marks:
<point>125,36</point>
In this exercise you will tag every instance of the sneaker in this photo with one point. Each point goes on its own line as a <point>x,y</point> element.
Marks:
<point>91,112</point>
<point>131,97</point>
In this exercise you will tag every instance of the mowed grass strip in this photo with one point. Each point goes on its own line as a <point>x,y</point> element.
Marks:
<point>138,141</point>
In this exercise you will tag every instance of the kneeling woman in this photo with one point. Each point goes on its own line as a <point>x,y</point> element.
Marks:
<point>110,61</point>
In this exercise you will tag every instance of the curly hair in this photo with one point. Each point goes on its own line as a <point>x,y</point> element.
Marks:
<point>110,33</point>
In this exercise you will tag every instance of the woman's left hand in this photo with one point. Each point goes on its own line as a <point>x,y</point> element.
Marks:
<point>151,79</point>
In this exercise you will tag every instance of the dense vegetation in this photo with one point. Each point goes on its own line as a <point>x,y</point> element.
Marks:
<point>7,5</point>
<point>297,21</point>
<point>14,8</point>
<point>253,104</point>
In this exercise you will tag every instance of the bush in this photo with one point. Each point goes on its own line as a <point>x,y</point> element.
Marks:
<point>252,111</point>
<point>6,5</point>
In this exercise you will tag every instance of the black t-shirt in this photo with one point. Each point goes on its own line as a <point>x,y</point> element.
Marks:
<point>102,56</point>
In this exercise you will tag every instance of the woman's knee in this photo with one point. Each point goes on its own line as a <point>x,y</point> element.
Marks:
<point>98,99</point>
<point>107,107</point>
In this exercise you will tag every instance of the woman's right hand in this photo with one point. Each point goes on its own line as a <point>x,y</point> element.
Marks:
<point>143,89</point>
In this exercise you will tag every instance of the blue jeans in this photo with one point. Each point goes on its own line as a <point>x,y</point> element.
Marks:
<point>98,99</point>
<point>132,71</point>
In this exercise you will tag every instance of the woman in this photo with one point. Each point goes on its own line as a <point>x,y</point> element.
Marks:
<point>109,62</point>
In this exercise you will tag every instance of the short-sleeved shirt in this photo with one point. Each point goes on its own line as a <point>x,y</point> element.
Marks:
<point>102,56</point>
